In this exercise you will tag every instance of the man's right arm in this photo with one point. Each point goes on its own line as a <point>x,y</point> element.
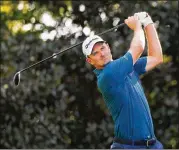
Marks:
<point>138,42</point>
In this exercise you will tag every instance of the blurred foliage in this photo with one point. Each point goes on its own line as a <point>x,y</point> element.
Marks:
<point>57,104</point>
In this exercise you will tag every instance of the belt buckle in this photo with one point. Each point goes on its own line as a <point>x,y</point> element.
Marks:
<point>148,142</point>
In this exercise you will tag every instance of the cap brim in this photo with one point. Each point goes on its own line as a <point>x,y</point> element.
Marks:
<point>92,45</point>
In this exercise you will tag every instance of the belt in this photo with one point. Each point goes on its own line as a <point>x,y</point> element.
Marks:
<point>146,142</point>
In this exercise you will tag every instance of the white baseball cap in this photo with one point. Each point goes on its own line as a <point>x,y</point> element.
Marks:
<point>89,42</point>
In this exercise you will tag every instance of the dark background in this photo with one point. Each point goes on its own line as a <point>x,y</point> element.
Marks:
<point>57,104</point>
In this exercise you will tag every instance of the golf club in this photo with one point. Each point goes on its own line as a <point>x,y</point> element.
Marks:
<point>16,78</point>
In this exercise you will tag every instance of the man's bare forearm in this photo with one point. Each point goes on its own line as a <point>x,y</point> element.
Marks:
<point>138,39</point>
<point>138,43</point>
<point>153,42</point>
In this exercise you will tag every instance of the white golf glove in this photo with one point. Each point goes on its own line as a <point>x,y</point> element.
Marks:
<point>144,18</point>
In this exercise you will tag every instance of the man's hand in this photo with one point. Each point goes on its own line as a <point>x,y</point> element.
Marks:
<point>133,22</point>
<point>144,18</point>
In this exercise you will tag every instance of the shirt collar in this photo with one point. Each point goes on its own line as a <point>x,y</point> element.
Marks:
<point>97,71</point>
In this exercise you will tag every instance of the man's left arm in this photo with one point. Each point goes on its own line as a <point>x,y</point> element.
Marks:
<point>155,55</point>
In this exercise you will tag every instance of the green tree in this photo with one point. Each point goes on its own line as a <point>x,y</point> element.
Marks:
<point>57,104</point>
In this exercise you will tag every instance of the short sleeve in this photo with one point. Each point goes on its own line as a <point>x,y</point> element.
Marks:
<point>124,65</point>
<point>140,65</point>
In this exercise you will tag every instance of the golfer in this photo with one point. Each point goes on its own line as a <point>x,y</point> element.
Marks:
<point>118,81</point>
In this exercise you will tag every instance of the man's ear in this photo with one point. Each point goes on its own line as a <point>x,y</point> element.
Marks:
<point>88,60</point>
<point>108,45</point>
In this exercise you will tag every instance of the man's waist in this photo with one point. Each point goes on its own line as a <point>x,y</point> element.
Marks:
<point>140,132</point>
<point>144,142</point>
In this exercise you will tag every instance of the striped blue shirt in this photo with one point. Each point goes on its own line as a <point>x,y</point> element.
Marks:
<point>123,94</point>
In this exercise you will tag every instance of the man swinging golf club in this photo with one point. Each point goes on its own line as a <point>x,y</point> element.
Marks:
<point>118,81</point>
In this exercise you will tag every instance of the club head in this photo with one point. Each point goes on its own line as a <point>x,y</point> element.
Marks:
<point>16,79</point>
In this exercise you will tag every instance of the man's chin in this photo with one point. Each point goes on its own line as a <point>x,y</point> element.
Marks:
<point>106,62</point>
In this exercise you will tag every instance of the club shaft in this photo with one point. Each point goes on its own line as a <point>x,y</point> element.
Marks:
<point>51,56</point>
<point>109,30</point>
<point>55,54</point>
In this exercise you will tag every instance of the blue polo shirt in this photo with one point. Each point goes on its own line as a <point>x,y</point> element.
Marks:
<point>123,94</point>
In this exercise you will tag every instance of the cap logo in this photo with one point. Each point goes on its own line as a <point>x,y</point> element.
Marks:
<point>86,46</point>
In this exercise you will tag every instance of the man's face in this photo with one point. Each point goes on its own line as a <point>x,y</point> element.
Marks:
<point>100,55</point>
